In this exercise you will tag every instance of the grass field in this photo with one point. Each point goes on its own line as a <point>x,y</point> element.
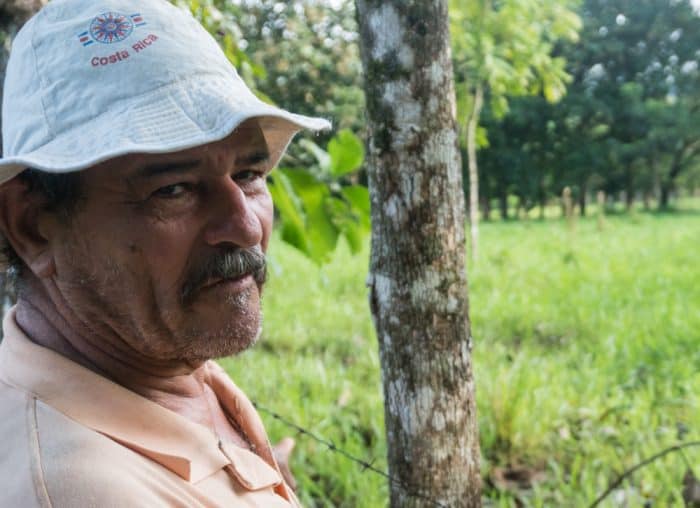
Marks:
<point>587,360</point>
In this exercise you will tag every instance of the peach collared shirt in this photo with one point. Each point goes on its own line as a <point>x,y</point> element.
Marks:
<point>71,438</point>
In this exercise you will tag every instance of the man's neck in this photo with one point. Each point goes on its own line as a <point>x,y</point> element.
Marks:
<point>178,386</point>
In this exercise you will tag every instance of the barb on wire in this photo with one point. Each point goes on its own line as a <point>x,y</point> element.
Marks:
<point>645,462</point>
<point>366,466</point>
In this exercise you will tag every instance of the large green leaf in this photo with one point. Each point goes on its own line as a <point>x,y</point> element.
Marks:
<point>346,153</point>
<point>358,197</point>
<point>321,232</point>
<point>307,187</point>
<point>293,226</point>
<point>296,237</point>
<point>355,236</point>
<point>347,221</point>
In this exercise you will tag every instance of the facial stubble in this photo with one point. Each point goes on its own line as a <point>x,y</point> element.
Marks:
<point>240,333</point>
<point>184,334</point>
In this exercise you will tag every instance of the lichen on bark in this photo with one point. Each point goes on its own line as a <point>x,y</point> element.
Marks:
<point>417,281</point>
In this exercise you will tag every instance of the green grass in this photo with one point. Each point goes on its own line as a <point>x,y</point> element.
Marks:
<point>587,360</point>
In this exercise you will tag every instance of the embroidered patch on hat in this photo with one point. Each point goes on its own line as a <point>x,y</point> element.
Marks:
<point>137,19</point>
<point>111,27</point>
<point>107,28</point>
<point>85,39</point>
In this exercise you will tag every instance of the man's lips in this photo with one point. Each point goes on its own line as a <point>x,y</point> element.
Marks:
<point>229,282</point>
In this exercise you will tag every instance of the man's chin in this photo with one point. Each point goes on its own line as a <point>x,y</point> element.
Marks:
<point>236,347</point>
<point>219,323</point>
<point>227,342</point>
<point>223,331</point>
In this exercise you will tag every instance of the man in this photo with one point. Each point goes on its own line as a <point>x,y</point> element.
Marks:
<point>134,209</point>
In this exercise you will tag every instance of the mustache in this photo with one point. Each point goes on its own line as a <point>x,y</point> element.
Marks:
<point>226,265</point>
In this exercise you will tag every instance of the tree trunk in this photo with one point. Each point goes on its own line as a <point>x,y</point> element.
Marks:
<point>503,205</point>
<point>669,182</point>
<point>521,209</point>
<point>665,197</point>
<point>629,188</point>
<point>486,208</point>
<point>687,152</point>
<point>542,198</point>
<point>472,124</point>
<point>583,190</point>
<point>417,280</point>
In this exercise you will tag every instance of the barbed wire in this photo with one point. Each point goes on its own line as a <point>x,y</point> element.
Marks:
<point>618,481</point>
<point>366,466</point>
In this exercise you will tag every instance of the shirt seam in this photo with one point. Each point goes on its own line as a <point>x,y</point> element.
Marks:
<point>37,468</point>
<point>29,392</point>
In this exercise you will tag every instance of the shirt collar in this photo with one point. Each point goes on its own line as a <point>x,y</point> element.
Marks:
<point>187,449</point>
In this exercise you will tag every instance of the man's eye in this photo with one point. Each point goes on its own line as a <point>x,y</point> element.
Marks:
<point>172,191</point>
<point>248,175</point>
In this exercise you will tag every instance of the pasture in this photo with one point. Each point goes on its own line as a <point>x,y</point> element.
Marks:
<point>587,360</point>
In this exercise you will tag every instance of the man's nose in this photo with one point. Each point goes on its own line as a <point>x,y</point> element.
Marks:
<point>233,218</point>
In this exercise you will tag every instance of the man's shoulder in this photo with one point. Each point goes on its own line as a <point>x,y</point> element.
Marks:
<point>47,459</point>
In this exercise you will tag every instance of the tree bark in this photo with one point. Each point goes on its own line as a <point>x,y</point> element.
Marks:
<point>486,208</point>
<point>417,280</point>
<point>503,204</point>
<point>472,124</point>
<point>665,197</point>
<point>629,188</point>
<point>542,197</point>
<point>583,191</point>
<point>684,155</point>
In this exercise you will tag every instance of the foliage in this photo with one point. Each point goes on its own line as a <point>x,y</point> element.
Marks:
<point>309,51</point>
<point>320,204</point>
<point>640,66</point>
<point>585,351</point>
<point>628,122</point>
<point>507,47</point>
<point>504,49</point>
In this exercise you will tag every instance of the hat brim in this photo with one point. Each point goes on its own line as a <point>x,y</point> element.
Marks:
<point>169,119</point>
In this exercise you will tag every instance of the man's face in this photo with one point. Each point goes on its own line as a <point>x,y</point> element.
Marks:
<point>154,254</point>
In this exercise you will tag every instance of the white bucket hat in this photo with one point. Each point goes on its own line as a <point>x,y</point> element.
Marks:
<point>91,80</point>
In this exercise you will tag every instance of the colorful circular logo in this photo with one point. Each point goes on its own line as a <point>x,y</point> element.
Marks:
<point>111,27</point>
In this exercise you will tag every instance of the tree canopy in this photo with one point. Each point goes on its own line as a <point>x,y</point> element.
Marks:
<point>628,124</point>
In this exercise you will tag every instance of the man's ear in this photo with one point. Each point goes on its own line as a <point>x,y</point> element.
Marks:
<point>24,226</point>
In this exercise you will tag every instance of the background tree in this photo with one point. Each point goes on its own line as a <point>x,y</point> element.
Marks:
<point>635,89</point>
<point>308,50</point>
<point>417,280</point>
<point>505,49</point>
<point>628,123</point>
